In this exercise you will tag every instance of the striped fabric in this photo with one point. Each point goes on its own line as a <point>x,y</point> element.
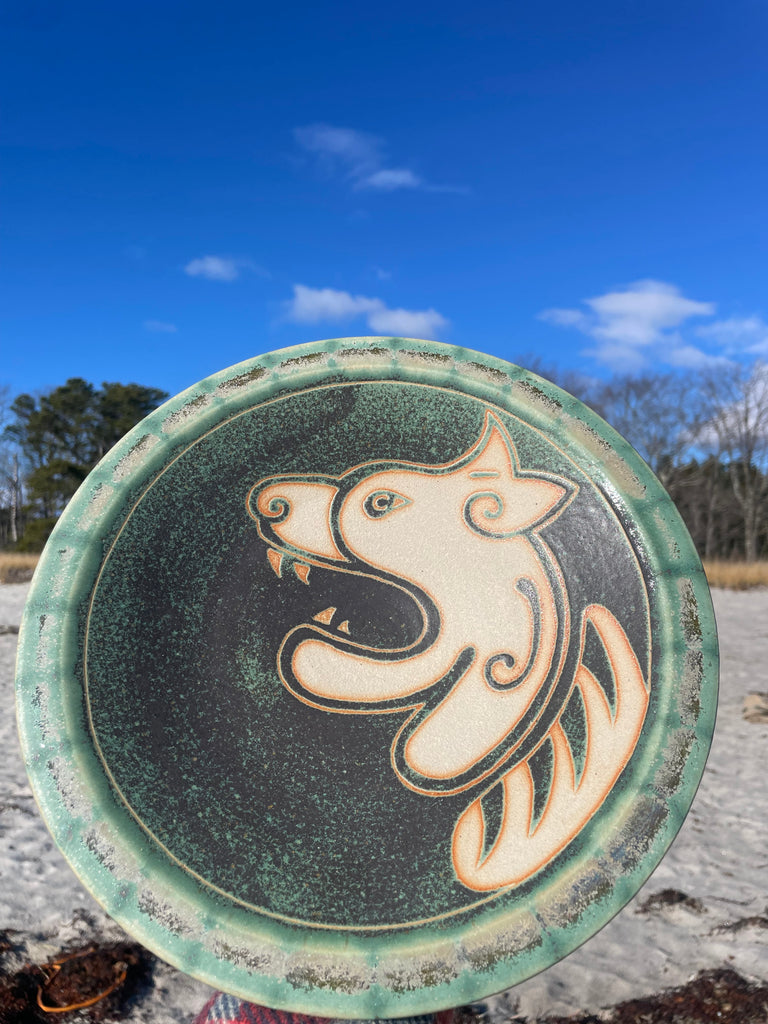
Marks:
<point>224,1009</point>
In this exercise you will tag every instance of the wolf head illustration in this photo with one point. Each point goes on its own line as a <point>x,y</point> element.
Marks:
<point>494,701</point>
<point>462,541</point>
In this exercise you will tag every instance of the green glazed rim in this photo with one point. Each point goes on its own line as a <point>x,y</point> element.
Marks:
<point>389,972</point>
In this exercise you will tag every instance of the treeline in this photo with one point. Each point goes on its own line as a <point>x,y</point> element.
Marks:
<point>50,444</point>
<point>704,433</point>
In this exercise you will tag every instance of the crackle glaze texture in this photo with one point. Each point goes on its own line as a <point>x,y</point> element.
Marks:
<point>367,678</point>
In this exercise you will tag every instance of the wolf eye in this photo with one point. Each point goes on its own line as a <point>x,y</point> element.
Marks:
<point>380,503</point>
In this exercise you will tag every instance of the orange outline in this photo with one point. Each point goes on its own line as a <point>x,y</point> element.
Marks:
<point>595,490</point>
<point>592,695</point>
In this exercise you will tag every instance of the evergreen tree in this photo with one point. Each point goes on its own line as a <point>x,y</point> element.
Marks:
<point>63,434</point>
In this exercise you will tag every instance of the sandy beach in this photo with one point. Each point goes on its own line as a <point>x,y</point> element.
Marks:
<point>719,862</point>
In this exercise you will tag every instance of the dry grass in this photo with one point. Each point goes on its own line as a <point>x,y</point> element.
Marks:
<point>737,575</point>
<point>15,567</point>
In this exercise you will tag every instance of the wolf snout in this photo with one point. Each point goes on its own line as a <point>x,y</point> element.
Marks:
<point>296,513</point>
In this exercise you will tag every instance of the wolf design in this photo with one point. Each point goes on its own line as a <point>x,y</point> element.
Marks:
<point>492,707</point>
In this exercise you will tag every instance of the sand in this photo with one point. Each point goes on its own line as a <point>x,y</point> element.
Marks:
<point>39,895</point>
<point>719,860</point>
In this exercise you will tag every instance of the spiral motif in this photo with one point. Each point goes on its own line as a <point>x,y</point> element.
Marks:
<point>474,513</point>
<point>527,588</point>
<point>278,509</point>
<point>507,661</point>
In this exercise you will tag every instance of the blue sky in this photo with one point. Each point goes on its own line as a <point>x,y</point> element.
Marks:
<point>185,185</point>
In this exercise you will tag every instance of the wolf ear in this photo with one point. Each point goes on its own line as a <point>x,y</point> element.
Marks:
<point>508,502</point>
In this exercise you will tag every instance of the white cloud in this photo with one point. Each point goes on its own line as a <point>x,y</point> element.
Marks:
<point>690,357</point>
<point>214,268</point>
<point>407,323</point>
<point>313,305</point>
<point>360,158</point>
<point>389,179</point>
<point>738,334</point>
<point>358,152</point>
<point>638,315</point>
<point>627,323</point>
<point>619,358</point>
<point>565,318</point>
<point>221,268</point>
<point>160,327</point>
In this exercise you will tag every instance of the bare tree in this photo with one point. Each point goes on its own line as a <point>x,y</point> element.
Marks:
<point>737,433</point>
<point>573,381</point>
<point>704,497</point>
<point>659,414</point>
<point>10,478</point>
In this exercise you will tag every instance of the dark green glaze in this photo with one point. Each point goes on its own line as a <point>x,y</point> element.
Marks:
<point>265,844</point>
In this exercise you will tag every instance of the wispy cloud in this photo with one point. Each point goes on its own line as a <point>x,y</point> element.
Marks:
<point>738,334</point>
<point>222,268</point>
<point>692,358</point>
<point>638,323</point>
<point>214,268</point>
<point>389,179</point>
<point>357,152</point>
<point>314,305</point>
<point>361,159</point>
<point>159,327</point>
